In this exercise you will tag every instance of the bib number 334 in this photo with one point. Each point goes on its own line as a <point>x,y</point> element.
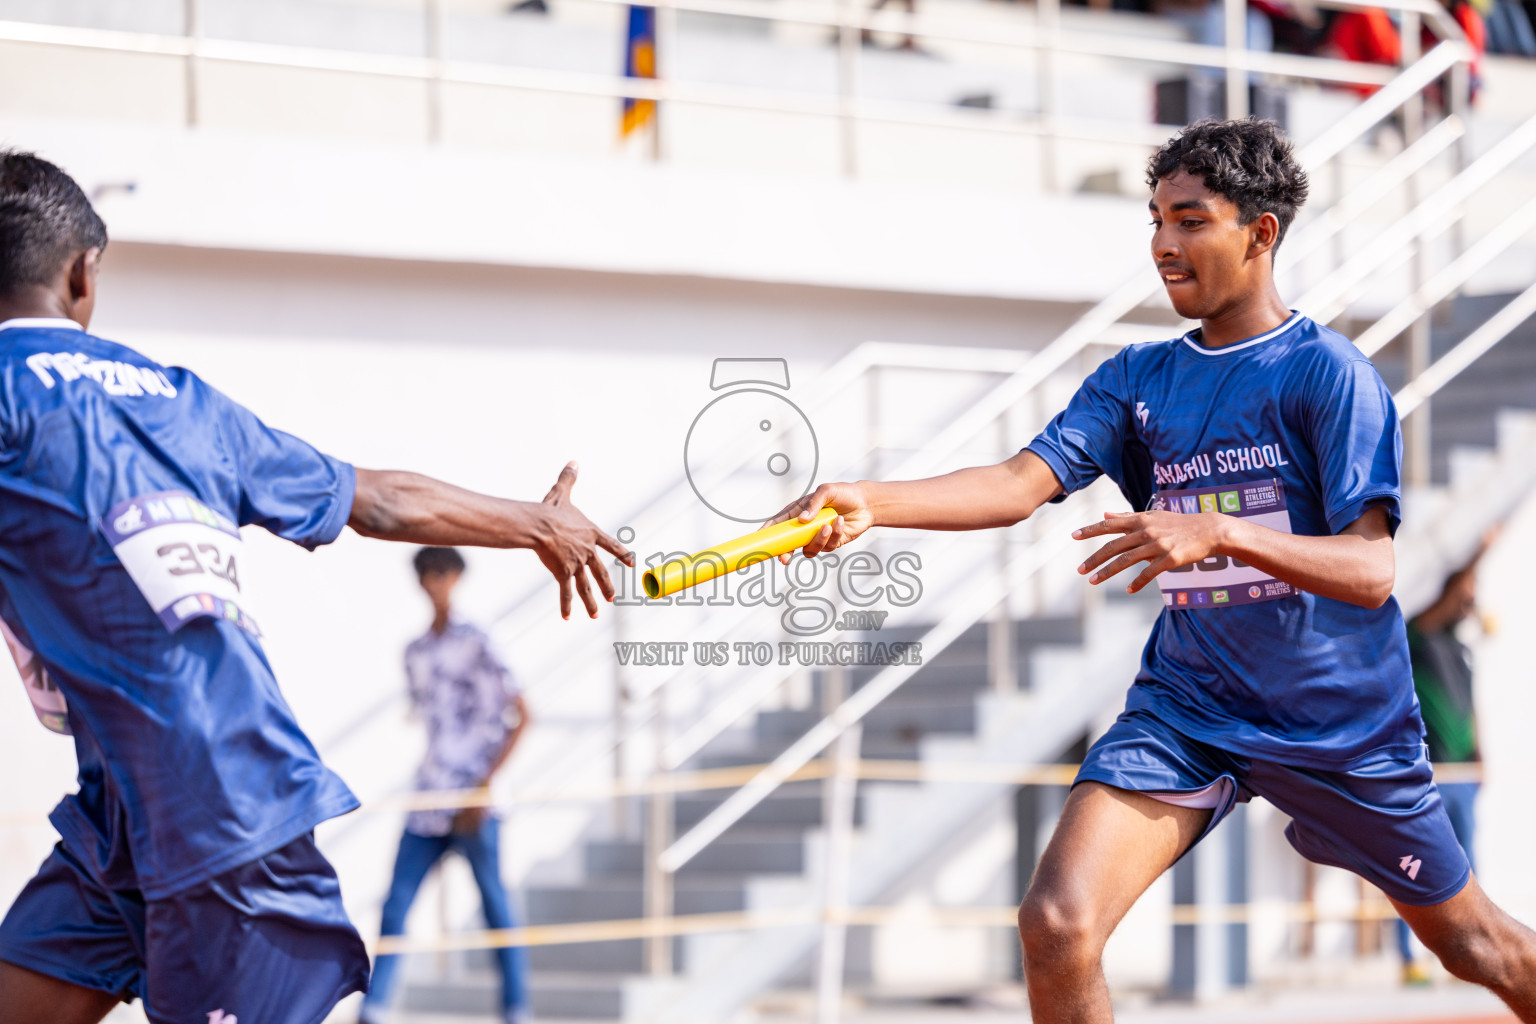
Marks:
<point>184,557</point>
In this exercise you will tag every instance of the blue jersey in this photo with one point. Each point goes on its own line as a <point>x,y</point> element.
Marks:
<point>1295,429</point>
<point>122,484</point>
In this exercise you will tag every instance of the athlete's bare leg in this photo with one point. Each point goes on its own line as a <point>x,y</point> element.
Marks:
<point>27,997</point>
<point>1109,847</point>
<point>1478,942</point>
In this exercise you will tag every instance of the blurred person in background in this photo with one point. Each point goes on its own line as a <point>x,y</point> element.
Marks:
<point>1508,27</point>
<point>908,42</point>
<point>1205,20</point>
<point>1442,677</point>
<point>475,714</point>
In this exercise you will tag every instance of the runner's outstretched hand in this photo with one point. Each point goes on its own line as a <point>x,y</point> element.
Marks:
<point>853,516</point>
<point>410,507</point>
<point>573,547</point>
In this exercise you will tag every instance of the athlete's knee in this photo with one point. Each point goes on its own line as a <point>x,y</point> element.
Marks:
<point>1057,931</point>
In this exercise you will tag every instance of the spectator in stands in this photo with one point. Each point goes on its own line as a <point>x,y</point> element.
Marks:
<point>1508,27</point>
<point>1370,35</point>
<point>474,715</point>
<point>1206,22</point>
<point>909,41</point>
<point>1442,675</point>
<point>1299,26</point>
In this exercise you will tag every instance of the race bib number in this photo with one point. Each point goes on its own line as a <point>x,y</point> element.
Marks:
<point>184,557</point>
<point>1220,581</point>
<point>47,702</point>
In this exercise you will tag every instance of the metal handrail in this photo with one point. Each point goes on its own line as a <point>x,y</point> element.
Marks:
<point>1398,239</point>
<point>1441,372</point>
<point>1444,283</point>
<point>1401,168</point>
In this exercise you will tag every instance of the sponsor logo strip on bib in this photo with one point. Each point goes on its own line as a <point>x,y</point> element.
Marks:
<point>184,557</point>
<point>1221,581</point>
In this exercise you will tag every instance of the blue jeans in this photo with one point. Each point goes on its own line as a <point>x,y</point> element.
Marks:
<point>1460,799</point>
<point>416,857</point>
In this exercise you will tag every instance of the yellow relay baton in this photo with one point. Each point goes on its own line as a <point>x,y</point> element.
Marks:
<point>703,566</point>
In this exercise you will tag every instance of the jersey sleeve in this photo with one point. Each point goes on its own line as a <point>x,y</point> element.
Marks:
<point>286,486</point>
<point>1353,429</point>
<point>1088,438</point>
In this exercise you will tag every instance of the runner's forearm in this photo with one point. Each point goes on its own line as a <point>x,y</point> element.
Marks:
<point>1357,565</point>
<point>978,498</point>
<point>410,507</point>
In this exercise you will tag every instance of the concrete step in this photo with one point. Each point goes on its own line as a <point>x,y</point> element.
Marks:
<point>884,748</point>
<point>612,959</point>
<point>562,995</point>
<point>956,679</point>
<point>780,851</point>
<point>906,722</point>
<point>621,898</point>
<point>803,811</point>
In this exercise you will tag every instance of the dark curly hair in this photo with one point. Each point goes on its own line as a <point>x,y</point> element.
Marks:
<point>44,220</point>
<point>1248,161</point>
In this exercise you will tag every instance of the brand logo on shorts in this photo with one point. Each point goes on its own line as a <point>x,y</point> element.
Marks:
<point>1411,865</point>
<point>220,1017</point>
<point>1142,412</point>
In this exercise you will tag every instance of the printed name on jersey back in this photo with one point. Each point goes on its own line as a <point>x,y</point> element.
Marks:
<point>114,377</point>
<point>1222,460</point>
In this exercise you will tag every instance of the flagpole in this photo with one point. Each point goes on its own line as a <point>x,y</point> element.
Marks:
<point>849,43</point>
<point>666,37</point>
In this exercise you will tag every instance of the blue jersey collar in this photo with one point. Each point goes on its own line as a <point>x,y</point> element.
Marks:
<point>56,323</point>
<point>1189,339</point>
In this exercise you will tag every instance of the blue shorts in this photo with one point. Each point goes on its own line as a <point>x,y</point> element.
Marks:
<point>267,942</point>
<point>1383,821</point>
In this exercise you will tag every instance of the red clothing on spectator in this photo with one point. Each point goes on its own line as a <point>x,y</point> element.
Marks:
<point>1367,36</point>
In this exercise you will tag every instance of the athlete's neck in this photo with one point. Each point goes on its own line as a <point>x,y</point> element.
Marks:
<point>38,301</point>
<point>440,619</point>
<point>1247,319</point>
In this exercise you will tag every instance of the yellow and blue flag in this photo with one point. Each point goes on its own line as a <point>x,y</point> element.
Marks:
<point>639,62</point>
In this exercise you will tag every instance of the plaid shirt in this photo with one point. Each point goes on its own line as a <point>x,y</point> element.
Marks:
<point>465,694</point>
